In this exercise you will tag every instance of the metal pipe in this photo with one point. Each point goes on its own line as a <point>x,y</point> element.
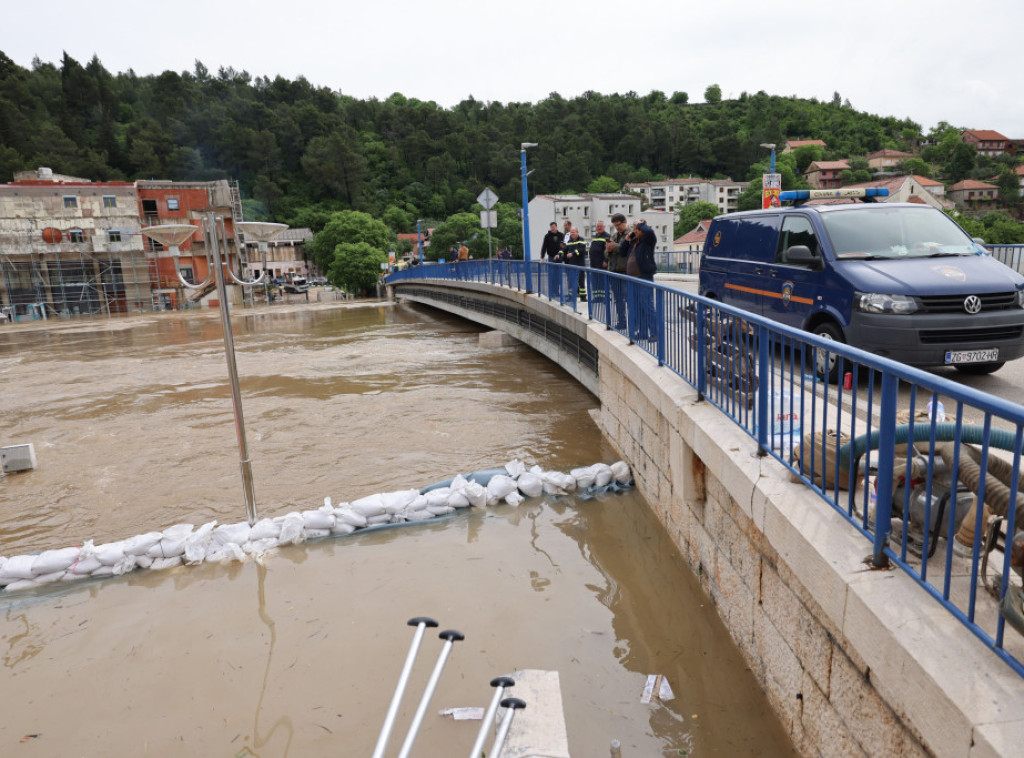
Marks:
<point>500,684</point>
<point>513,704</point>
<point>248,492</point>
<point>421,623</point>
<point>450,637</point>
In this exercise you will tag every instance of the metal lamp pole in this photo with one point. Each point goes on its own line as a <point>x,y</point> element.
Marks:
<point>526,213</point>
<point>419,237</point>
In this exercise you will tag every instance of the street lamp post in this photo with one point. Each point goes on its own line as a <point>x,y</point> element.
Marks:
<point>261,232</point>
<point>526,212</point>
<point>770,146</point>
<point>419,238</point>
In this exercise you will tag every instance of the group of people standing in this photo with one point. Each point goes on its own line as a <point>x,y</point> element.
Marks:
<point>630,251</point>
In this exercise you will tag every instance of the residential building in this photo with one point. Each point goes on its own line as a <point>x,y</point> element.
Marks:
<point>972,195</point>
<point>793,144</point>
<point>69,246</point>
<point>286,256</point>
<point>987,142</point>
<point>886,159</point>
<point>167,202</point>
<point>825,174</point>
<point>669,193</point>
<point>585,210</point>
<point>1019,171</point>
<point>693,240</point>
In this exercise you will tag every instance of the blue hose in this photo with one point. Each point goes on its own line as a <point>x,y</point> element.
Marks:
<point>945,432</point>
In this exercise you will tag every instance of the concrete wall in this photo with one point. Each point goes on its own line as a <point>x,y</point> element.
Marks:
<point>856,662</point>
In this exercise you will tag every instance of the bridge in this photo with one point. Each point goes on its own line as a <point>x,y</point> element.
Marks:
<point>871,629</point>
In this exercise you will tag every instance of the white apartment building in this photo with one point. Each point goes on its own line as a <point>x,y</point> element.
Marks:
<point>585,210</point>
<point>666,194</point>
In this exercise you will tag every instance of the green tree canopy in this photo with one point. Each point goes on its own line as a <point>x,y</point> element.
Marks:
<point>604,184</point>
<point>917,167</point>
<point>348,227</point>
<point>692,213</point>
<point>713,94</point>
<point>356,266</point>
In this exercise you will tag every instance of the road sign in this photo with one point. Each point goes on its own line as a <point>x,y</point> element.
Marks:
<point>487,198</point>
<point>488,219</point>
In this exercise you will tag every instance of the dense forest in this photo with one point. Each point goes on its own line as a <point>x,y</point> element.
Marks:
<point>301,152</point>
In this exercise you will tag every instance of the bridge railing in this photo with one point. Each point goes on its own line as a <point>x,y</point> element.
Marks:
<point>1009,255</point>
<point>903,455</point>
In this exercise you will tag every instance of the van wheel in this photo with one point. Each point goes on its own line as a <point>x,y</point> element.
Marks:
<point>826,364</point>
<point>979,369</point>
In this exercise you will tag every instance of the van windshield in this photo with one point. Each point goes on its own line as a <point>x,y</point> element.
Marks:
<point>875,232</point>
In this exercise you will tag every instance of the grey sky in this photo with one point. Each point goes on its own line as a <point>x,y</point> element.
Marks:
<point>929,60</point>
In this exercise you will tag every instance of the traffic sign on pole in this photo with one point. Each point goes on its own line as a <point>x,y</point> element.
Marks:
<point>487,198</point>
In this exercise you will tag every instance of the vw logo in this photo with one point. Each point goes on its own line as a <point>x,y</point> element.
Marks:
<point>972,304</point>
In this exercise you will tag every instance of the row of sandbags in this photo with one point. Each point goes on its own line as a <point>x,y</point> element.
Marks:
<point>187,544</point>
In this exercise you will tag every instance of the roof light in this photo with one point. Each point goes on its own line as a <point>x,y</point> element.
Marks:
<point>818,194</point>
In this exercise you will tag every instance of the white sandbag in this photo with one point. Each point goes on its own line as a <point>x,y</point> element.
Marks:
<point>438,510</point>
<point>439,496</point>
<point>456,500</point>
<point>530,484</point>
<point>124,566</point>
<point>265,529</point>
<point>348,516</point>
<point>103,571</point>
<point>584,477</point>
<point>226,553</point>
<point>141,543</point>
<point>21,584</point>
<point>559,483</point>
<point>620,471</point>
<point>384,518</point>
<point>291,529</point>
<point>369,506</point>
<point>16,568</point>
<point>476,493</point>
<point>198,543</point>
<point>499,488</point>
<point>514,498</point>
<point>177,532</point>
<point>50,578</point>
<point>110,553</point>
<point>341,527</point>
<point>225,534</point>
<point>328,504</point>
<point>316,534</point>
<point>84,566</point>
<point>515,468</point>
<point>165,563</point>
<point>602,474</point>
<point>167,548</point>
<point>49,561</point>
<point>143,561</point>
<point>422,515</point>
<point>259,547</point>
<point>419,503</point>
<point>318,519</point>
<point>396,502</point>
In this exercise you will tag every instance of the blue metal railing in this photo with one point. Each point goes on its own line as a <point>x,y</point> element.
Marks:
<point>874,446</point>
<point>678,261</point>
<point>1009,255</point>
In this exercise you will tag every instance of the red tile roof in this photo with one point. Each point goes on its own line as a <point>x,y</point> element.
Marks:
<point>795,143</point>
<point>888,153</point>
<point>828,165</point>
<point>699,233</point>
<point>971,184</point>
<point>985,134</point>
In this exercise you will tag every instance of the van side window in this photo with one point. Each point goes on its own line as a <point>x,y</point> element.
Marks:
<point>796,230</point>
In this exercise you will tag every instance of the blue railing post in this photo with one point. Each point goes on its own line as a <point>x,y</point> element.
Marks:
<point>700,328</point>
<point>660,316</point>
<point>883,480</point>
<point>763,395</point>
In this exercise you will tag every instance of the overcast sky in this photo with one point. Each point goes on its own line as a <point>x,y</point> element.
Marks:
<point>928,60</point>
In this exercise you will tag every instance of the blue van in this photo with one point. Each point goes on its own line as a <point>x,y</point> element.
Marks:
<point>901,280</point>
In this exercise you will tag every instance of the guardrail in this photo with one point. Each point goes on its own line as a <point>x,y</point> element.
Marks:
<point>678,261</point>
<point>1009,255</point>
<point>877,446</point>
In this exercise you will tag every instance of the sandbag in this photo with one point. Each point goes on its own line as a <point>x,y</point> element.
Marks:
<point>291,529</point>
<point>369,506</point>
<point>530,484</point>
<point>824,458</point>
<point>224,534</point>
<point>417,515</point>
<point>348,516</point>
<point>84,566</point>
<point>499,488</point>
<point>318,520</point>
<point>439,496</point>
<point>396,502</point>
<point>340,527</point>
<point>165,563</point>
<point>620,471</point>
<point>384,518</point>
<point>198,542</point>
<point>141,543</point>
<point>584,477</point>
<point>514,498</point>
<point>16,568</point>
<point>604,474</point>
<point>438,510</point>
<point>226,552</point>
<point>49,561</point>
<point>110,553</point>
<point>316,534</point>
<point>265,529</point>
<point>515,468</point>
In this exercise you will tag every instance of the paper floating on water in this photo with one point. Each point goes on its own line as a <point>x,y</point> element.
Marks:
<point>656,688</point>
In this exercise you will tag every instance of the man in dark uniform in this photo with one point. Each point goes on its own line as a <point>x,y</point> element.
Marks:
<point>598,261</point>
<point>551,246</point>
<point>617,252</point>
<point>575,252</point>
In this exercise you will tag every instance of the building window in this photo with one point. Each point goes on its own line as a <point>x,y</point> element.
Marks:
<point>114,235</point>
<point>172,203</point>
<point>586,213</point>
<point>109,201</point>
<point>76,235</point>
<point>70,201</point>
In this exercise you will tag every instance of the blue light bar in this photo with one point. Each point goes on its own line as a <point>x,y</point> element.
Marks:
<point>842,192</point>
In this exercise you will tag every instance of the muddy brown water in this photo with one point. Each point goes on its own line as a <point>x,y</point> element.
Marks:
<point>132,424</point>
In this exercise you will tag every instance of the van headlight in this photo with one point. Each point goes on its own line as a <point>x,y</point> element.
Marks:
<point>871,302</point>
<point>1020,298</point>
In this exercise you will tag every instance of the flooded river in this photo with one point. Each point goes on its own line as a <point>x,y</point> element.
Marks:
<point>133,430</point>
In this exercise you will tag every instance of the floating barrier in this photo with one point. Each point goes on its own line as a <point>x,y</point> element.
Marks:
<point>189,545</point>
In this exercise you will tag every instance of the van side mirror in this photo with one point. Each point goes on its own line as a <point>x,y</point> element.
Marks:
<point>801,255</point>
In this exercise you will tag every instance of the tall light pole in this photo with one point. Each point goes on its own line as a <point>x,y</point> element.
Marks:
<point>419,236</point>
<point>526,212</point>
<point>770,146</point>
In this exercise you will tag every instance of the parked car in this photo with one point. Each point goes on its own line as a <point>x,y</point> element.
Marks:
<point>901,280</point>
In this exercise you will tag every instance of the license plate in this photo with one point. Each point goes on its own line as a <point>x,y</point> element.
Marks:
<point>972,356</point>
